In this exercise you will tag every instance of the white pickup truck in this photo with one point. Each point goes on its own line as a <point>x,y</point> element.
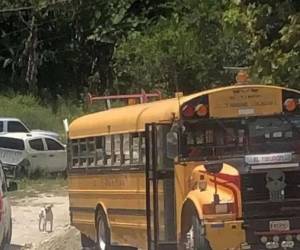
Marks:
<point>14,125</point>
<point>25,153</point>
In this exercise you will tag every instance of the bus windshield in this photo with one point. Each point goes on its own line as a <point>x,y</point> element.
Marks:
<point>222,138</point>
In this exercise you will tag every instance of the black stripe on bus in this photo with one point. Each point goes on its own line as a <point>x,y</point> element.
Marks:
<point>105,170</point>
<point>126,211</point>
<point>82,209</point>
<point>112,211</point>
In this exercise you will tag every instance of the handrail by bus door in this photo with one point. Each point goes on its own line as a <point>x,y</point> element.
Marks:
<point>150,179</point>
<point>153,176</point>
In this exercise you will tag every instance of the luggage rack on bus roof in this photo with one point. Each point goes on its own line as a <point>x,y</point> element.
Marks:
<point>131,99</point>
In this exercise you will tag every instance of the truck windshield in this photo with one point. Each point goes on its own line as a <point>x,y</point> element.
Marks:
<point>232,137</point>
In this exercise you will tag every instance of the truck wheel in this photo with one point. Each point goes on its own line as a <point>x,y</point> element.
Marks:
<point>103,232</point>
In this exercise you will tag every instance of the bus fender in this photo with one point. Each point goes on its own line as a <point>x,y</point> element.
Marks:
<point>100,207</point>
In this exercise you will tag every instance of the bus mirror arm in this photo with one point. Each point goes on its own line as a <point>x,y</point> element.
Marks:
<point>214,169</point>
<point>216,195</point>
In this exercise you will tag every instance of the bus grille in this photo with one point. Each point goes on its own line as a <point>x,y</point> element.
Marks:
<point>256,198</point>
<point>254,186</point>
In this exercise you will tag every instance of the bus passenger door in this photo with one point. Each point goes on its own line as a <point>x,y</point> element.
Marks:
<point>160,191</point>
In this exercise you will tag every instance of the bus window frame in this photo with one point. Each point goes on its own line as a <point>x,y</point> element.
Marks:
<point>83,158</point>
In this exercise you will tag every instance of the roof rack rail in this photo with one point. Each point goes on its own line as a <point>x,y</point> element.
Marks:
<point>131,99</point>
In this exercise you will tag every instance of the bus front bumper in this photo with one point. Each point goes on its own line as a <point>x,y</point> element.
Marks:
<point>227,235</point>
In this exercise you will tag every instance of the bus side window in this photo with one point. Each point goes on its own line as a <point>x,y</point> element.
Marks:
<point>135,148</point>
<point>120,149</point>
<point>100,151</point>
<point>91,152</point>
<point>108,150</point>
<point>75,153</point>
<point>83,153</point>
<point>117,149</point>
<point>142,147</point>
<point>126,149</point>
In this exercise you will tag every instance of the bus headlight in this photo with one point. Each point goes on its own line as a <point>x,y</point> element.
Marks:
<point>276,238</point>
<point>298,237</point>
<point>264,239</point>
<point>272,245</point>
<point>287,244</point>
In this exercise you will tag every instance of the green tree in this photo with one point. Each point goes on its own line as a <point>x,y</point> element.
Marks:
<point>187,52</point>
<point>274,28</point>
<point>64,48</point>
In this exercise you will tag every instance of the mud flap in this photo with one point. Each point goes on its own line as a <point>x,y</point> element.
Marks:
<point>123,248</point>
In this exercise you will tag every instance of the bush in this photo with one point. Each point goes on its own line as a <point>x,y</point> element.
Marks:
<point>34,115</point>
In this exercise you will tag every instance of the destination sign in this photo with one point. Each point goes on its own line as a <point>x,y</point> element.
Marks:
<point>268,158</point>
<point>247,101</point>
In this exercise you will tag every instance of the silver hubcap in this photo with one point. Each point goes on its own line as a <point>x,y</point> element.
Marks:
<point>101,235</point>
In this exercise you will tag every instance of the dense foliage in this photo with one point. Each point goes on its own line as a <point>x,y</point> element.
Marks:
<point>60,49</point>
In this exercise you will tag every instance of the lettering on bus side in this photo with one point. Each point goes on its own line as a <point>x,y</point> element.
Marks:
<point>114,181</point>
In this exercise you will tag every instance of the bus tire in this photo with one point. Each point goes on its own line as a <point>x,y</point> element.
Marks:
<point>103,232</point>
<point>86,242</point>
<point>195,240</point>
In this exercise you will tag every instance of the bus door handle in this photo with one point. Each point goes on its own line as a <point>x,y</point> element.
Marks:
<point>51,155</point>
<point>33,156</point>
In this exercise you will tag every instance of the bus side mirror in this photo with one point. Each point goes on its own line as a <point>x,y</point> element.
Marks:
<point>172,145</point>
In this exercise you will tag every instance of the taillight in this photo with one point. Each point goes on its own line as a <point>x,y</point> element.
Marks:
<point>188,111</point>
<point>290,104</point>
<point>201,110</point>
<point>221,208</point>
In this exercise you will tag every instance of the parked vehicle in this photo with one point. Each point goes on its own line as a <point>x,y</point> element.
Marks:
<point>27,153</point>
<point>45,132</point>
<point>14,125</point>
<point>5,215</point>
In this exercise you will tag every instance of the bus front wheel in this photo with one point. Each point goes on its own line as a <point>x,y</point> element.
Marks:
<point>194,239</point>
<point>103,232</point>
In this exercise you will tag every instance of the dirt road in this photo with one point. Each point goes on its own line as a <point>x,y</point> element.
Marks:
<point>26,205</point>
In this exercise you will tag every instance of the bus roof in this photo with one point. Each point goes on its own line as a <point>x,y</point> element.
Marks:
<point>133,118</point>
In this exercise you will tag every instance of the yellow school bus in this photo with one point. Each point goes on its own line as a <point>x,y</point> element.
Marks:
<point>215,170</point>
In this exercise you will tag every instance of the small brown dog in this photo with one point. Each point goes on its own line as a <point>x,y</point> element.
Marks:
<point>46,217</point>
